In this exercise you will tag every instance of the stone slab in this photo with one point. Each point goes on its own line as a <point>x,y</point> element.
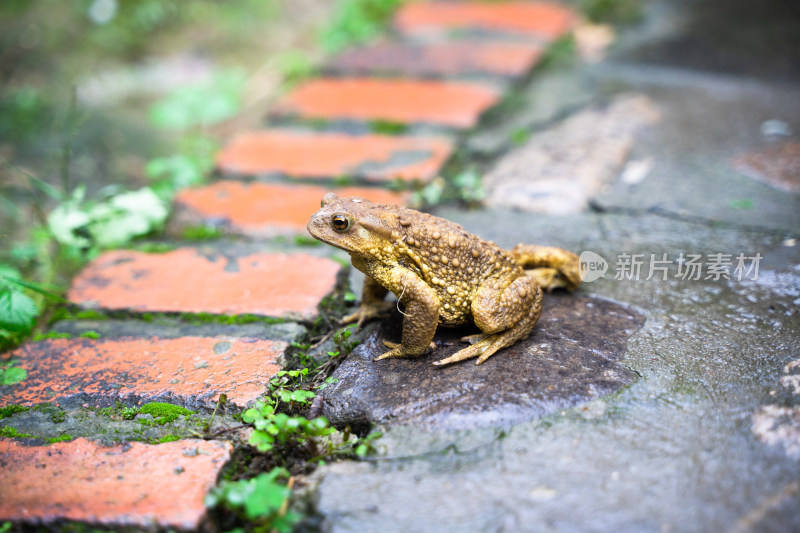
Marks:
<point>264,209</point>
<point>132,485</point>
<point>570,358</point>
<point>451,58</point>
<point>375,158</point>
<point>450,104</point>
<point>192,371</point>
<point>673,451</point>
<point>558,170</point>
<point>188,281</point>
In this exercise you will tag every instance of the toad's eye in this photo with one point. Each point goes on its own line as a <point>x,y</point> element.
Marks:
<point>340,223</point>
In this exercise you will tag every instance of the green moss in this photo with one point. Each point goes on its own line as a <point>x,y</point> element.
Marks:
<point>51,335</point>
<point>119,412</point>
<point>561,53</point>
<point>164,412</point>
<point>304,240</point>
<point>387,127</point>
<point>12,433</point>
<point>154,247</point>
<point>90,335</point>
<point>613,11</point>
<point>209,318</point>
<point>71,313</point>
<point>61,438</point>
<point>201,233</point>
<point>168,438</point>
<point>10,410</point>
<point>57,414</point>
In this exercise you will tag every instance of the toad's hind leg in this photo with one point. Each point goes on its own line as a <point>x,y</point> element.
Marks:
<point>551,267</point>
<point>504,315</point>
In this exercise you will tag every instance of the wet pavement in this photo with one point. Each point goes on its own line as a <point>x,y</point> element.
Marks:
<point>663,395</point>
<point>706,436</point>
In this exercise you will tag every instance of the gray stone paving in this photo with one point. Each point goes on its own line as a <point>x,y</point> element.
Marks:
<point>705,436</point>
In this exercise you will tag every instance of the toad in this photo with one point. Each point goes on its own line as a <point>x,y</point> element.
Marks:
<point>442,275</point>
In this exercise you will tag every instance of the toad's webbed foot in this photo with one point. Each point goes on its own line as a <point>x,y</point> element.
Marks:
<point>398,351</point>
<point>367,312</point>
<point>483,347</point>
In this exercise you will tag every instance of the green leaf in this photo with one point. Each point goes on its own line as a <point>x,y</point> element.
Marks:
<point>262,441</point>
<point>8,276</point>
<point>200,105</point>
<point>17,312</point>
<point>65,223</point>
<point>179,170</point>
<point>12,375</point>
<point>267,498</point>
<point>249,416</point>
<point>126,216</point>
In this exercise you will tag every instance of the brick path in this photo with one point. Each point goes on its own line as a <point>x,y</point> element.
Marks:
<point>449,63</point>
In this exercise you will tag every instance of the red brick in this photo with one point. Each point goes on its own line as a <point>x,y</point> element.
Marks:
<point>542,20</point>
<point>191,368</point>
<point>778,165</point>
<point>440,59</point>
<point>330,155</point>
<point>134,485</point>
<point>452,104</point>
<point>266,209</point>
<point>185,280</point>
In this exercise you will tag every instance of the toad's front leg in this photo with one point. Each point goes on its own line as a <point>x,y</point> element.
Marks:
<point>421,312</point>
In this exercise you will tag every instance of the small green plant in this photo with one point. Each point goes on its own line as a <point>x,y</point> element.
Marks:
<point>357,21</point>
<point>263,500</point>
<point>520,136</point>
<point>340,339</point>
<point>431,194</point>
<point>61,438</point>
<point>469,186</point>
<point>295,65</point>
<point>11,375</point>
<point>18,314</point>
<point>93,225</point>
<point>273,427</point>
<point>200,105</point>
<point>360,447</point>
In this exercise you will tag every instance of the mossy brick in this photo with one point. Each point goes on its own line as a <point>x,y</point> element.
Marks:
<point>406,101</point>
<point>449,58</point>
<point>542,21</point>
<point>195,370</point>
<point>264,209</point>
<point>376,158</point>
<point>152,487</point>
<point>187,280</point>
